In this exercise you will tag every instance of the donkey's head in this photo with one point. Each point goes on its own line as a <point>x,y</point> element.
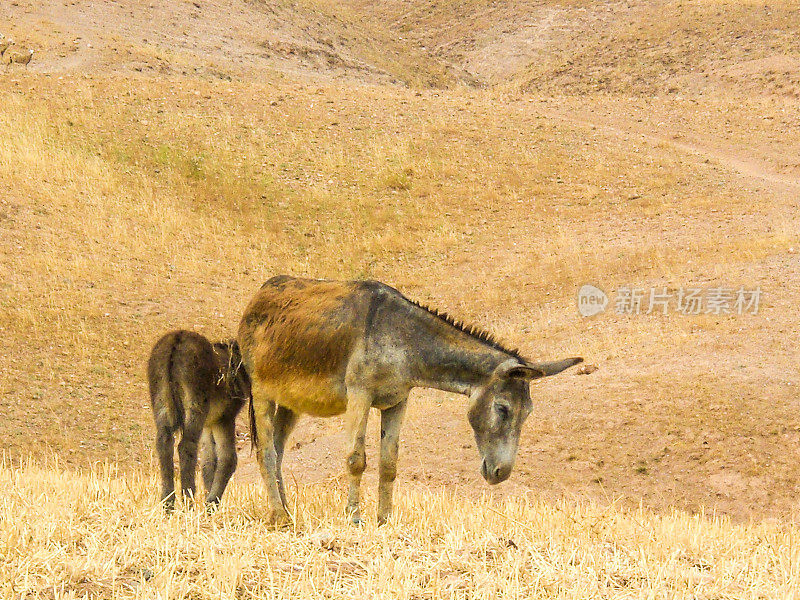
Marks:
<point>232,371</point>
<point>500,407</point>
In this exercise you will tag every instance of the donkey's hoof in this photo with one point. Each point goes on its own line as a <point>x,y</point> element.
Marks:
<point>169,505</point>
<point>383,520</point>
<point>355,515</point>
<point>279,519</point>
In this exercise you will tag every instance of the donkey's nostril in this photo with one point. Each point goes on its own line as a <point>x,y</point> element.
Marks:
<point>496,472</point>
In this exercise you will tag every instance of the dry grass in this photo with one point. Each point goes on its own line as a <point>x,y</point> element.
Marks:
<point>99,534</point>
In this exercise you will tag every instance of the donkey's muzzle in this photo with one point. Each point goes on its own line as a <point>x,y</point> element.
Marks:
<point>494,474</point>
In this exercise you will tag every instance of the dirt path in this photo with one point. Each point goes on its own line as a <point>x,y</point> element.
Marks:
<point>716,150</point>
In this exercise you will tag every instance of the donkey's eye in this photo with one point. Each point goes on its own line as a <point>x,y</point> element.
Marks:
<point>502,410</point>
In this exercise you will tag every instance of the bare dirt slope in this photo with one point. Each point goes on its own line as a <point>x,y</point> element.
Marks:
<point>562,46</point>
<point>159,160</point>
<point>215,39</point>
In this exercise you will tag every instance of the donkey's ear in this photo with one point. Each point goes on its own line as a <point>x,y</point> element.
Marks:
<point>513,369</point>
<point>526,372</point>
<point>553,368</point>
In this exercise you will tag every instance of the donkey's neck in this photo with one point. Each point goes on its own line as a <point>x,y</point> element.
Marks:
<point>456,371</point>
<point>451,360</point>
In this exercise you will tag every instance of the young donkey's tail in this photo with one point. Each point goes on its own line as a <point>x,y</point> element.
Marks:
<point>165,393</point>
<point>174,401</point>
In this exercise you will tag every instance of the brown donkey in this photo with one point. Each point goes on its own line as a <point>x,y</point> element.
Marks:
<point>324,348</point>
<point>198,388</point>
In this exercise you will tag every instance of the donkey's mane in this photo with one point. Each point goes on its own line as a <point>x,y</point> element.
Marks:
<point>471,330</point>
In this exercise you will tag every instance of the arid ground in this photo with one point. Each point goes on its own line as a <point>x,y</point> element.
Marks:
<point>160,160</point>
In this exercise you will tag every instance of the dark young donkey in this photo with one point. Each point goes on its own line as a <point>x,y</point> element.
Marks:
<point>325,348</point>
<point>198,388</point>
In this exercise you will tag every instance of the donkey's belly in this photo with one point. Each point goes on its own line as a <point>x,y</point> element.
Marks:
<point>319,397</point>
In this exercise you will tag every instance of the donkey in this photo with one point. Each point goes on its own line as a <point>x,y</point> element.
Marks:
<point>325,348</point>
<point>198,388</point>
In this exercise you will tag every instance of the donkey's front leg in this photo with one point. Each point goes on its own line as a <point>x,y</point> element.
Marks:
<point>264,412</point>
<point>358,405</point>
<point>209,461</point>
<point>225,439</point>
<point>391,419</point>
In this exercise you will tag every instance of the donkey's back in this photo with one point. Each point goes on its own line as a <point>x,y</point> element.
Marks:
<point>298,336</point>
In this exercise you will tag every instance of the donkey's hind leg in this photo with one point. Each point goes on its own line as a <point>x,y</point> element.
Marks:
<point>285,421</point>
<point>165,448</point>
<point>209,460</point>
<point>225,438</point>
<point>187,449</point>
<point>264,422</point>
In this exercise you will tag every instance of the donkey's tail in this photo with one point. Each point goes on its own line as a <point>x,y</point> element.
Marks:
<point>175,402</point>
<point>252,417</point>
<point>165,392</point>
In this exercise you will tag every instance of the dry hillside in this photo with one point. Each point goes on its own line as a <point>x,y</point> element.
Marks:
<point>159,160</point>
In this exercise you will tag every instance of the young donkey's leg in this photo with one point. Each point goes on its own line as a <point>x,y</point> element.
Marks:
<point>225,438</point>
<point>165,447</point>
<point>285,421</point>
<point>264,411</point>
<point>391,420</point>
<point>209,460</point>
<point>358,405</point>
<point>187,448</point>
